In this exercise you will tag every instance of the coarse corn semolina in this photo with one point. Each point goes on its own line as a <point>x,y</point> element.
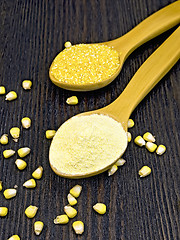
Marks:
<point>85,63</point>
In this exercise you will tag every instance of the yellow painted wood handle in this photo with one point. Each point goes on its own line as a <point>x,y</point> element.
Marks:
<point>148,75</point>
<point>151,27</point>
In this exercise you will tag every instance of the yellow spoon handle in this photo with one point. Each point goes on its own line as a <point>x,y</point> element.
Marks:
<point>151,27</point>
<point>147,76</point>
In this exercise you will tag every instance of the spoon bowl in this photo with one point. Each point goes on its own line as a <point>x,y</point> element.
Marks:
<point>151,27</point>
<point>147,76</point>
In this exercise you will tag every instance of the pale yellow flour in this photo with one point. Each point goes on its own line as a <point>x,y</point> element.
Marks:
<point>85,144</point>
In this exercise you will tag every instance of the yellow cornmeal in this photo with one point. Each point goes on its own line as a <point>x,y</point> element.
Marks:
<point>85,144</point>
<point>85,63</point>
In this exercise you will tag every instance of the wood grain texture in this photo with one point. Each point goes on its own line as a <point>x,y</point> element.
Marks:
<point>32,33</point>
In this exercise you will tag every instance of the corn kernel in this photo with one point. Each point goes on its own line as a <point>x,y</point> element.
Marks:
<point>26,84</point>
<point>26,122</point>
<point>37,174</point>
<point>4,139</point>
<point>139,141</point>
<point>100,208</point>
<point>3,211</point>
<point>130,123</point>
<point>22,152</point>
<point>76,190</point>
<point>112,170</point>
<point>2,90</point>
<point>31,211</point>
<point>160,150</point>
<point>144,171</point>
<point>8,153</point>
<point>0,185</point>
<point>14,237</point>
<point>67,44</point>
<point>21,164</point>
<point>10,193</point>
<point>50,134</point>
<point>38,227</point>
<point>72,100</point>
<point>149,137</point>
<point>15,132</point>
<point>151,147</point>
<point>129,136</point>
<point>71,200</point>
<point>61,219</point>
<point>78,227</point>
<point>120,162</point>
<point>70,211</point>
<point>11,96</point>
<point>31,183</point>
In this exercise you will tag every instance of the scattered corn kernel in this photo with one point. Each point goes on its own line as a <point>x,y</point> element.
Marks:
<point>37,174</point>
<point>0,185</point>
<point>38,227</point>
<point>50,134</point>
<point>76,190</point>
<point>160,149</point>
<point>70,211</point>
<point>11,96</point>
<point>130,123</point>
<point>31,211</point>
<point>151,147</point>
<point>31,183</point>
<point>67,44</point>
<point>22,152</point>
<point>21,164</point>
<point>8,153</point>
<point>78,227</point>
<point>112,170</point>
<point>15,132</point>
<point>144,171</point>
<point>4,139</point>
<point>3,211</point>
<point>10,193</point>
<point>26,122</point>
<point>149,137</point>
<point>129,136</point>
<point>120,162</point>
<point>61,219</point>
<point>14,237</point>
<point>71,200</point>
<point>72,100</point>
<point>139,141</point>
<point>2,90</point>
<point>26,84</point>
<point>100,208</point>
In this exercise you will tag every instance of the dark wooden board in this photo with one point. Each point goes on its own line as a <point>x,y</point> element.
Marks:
<point>32,33</point>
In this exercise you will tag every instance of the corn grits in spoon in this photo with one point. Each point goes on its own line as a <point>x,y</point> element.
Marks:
<point>86,67</point>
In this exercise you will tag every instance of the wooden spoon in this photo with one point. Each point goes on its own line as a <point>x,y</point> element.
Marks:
<point>148,75</point>
<point>151,27</point>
